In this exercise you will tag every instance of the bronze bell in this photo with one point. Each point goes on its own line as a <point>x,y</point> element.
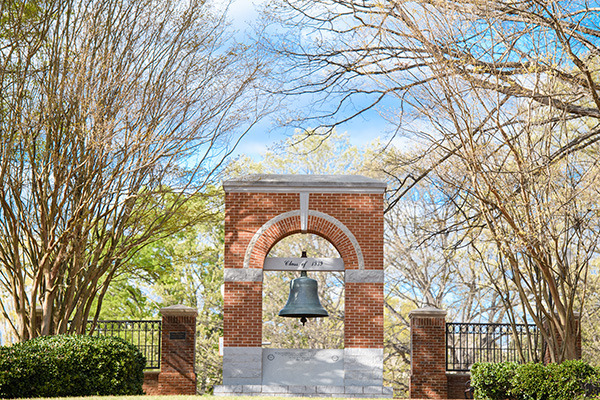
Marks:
<point>304,301</point>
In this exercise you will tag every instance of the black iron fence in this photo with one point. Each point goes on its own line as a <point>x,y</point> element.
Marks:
<point>468,343</point>
<point>145,335</point>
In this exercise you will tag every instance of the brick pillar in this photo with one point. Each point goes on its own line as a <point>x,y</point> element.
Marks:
<point>363,334</point>
<point>178,351</point>
<point>428,354</point>
<point>242,326</point>
<point>577,317</point>
<point>242,321</point>
<point>364,313</point>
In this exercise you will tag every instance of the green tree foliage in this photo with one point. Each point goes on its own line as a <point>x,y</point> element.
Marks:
<point>113,115</point>
<point>307,153</point>
<point>171,270</point>
<point>184,268</point>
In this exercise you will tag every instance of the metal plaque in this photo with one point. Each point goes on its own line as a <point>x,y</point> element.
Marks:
<point>177,335</point>
<point>303,264</point>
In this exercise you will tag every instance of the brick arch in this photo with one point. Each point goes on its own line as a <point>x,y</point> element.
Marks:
<point>319,223</point>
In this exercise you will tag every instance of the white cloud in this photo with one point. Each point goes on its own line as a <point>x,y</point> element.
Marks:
<point>242,13</point>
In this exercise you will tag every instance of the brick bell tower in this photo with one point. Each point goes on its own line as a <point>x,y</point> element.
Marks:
<point>347,210</point>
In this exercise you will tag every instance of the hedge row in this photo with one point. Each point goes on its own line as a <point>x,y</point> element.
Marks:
<point>531,381</point>
<point>66,365</point>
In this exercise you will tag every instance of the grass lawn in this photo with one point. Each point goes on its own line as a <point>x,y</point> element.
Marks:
<point>205,397</point>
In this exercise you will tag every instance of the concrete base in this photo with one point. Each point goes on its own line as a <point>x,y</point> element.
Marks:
<point>351,372</point>
<point>294,367</point>
<point>304,391</point>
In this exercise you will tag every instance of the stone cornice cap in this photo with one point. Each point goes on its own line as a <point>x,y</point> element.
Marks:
<point>427,312</point>
<point>295,183</point>
<point>179,310</point>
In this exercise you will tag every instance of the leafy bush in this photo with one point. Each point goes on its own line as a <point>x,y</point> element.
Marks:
<point>66,365</point>
<point>492,381</point>
<point>532,381</point>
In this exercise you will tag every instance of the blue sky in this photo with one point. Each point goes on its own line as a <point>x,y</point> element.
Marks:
<point>361,131</point>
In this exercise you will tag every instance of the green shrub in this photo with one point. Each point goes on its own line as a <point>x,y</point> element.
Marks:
<point>531,381</point>
<point>574,373</point>
<point>552,381</point>
<point>67,365</point>
<point>492,381</point>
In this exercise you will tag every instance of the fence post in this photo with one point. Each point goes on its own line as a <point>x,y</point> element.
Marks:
<point>428,354</point>
<point>178,350</point>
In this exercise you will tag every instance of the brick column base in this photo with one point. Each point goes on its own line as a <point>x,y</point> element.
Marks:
<point>150,385</point>
<point>178,352</point>
<point>175,383</point>
<point>428,354</point>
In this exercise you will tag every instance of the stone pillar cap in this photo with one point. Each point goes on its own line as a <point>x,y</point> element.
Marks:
<point>427,312</point>
<point>179,309</point>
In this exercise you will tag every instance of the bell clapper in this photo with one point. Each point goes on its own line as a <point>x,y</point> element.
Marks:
<point>305,275</point>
